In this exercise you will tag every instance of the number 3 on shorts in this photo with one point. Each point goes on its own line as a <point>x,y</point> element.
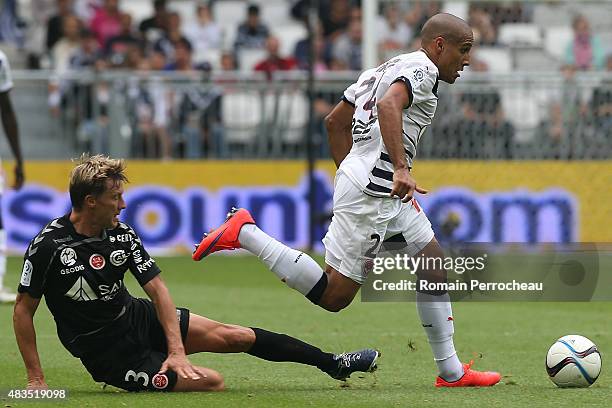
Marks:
<point>131,375</point>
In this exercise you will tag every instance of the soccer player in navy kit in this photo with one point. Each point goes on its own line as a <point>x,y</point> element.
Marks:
<point>78,263</point>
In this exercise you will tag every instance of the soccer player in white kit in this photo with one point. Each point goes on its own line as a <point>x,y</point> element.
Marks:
<point>9,124</point>
<point>374,133</point>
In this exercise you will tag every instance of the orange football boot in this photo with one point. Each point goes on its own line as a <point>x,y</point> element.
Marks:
<point>224,237</point>
<point>471,378</point>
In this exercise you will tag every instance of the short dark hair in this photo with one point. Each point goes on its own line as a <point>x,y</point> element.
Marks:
<point>253,10</point>
<point>185,43</point>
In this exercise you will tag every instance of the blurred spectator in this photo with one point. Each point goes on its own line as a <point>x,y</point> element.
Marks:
<point>197,110</point>
<point>152,27</point>
<point>585,50</point>
<point>252,33</point>
<point>393,33</point>
<point>55,23</point>
<point>274,61</point>
<point>347,48</point>
<point>601,107</point>
<point>117,47</point>
<point>36,33</point>
<point>335,16</point>
<point>420,12</point>
<point>67,46</point>
<point>203,33</point>
<point>11,25</point>
<point>567,112</point>
<point>183,58</point>
<point>89,54</point>
<point>482,132</point>
<point>322,52</point>
<point>171,38</point>
<point>106,22</point>
<point>228,61</point>
<point>86,9</point>
<point>482,25</point>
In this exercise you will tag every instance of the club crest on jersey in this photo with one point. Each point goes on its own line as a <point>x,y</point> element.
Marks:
<point>419,75</point>
<point>160,381</point>
<point>118,257</point>
<point>68,256</point>
<point>97,261</point>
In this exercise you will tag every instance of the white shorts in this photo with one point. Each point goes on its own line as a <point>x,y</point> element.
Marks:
<point>360,224</point>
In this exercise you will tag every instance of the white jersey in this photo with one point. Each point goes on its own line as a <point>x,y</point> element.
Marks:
<point>368,164</point>
<point>6,79</point>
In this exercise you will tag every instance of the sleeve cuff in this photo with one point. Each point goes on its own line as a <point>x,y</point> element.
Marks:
<point>408,85</point>
<point>345,99</point>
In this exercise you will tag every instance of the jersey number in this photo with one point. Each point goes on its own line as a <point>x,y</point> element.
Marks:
<point>131,375</point>
<point>371,253</point>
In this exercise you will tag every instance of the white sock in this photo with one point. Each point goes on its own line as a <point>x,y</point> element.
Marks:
<point>298,270</point>
<point>436,317</point>
<point>2,256</point>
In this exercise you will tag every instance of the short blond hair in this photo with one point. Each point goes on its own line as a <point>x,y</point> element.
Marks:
<point>90,175</point>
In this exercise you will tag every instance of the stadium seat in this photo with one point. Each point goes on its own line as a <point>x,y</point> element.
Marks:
<point>556,40</point>
<point>294,115</point>
<point>534,59</point>
<point>274,12</point>
<point>521,108</point>
<point>248,58</point>
<point>289,35</point>
<point>551,15</point>
<point>458,8</point>
<point>186,9</point>
<point>229,12</point>
<point>211,56</point>
<point>241,115</point>
<point>138,9</point>
<point>519,34</point>
<point>498,59</point>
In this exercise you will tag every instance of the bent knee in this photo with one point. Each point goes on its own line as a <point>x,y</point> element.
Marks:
<point>217,383</point>
<point>239,338</point>
<point>336,303</point>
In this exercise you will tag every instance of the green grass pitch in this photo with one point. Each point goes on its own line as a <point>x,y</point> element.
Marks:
<point>510,337</point>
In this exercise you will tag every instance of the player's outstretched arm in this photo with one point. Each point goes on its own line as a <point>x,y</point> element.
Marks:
<point>166,313</point>
<point>23,324</point>
<point>339,135</point>
<point>9,123</point>
<point>390,109</point>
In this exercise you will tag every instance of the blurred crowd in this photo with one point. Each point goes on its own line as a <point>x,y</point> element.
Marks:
<point>86,35</point>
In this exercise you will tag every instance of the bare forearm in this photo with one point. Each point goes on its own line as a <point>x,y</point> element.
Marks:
<point>11,129</point>
<point>390,120</point>
<point>340,142</point>
<point>25,334</point>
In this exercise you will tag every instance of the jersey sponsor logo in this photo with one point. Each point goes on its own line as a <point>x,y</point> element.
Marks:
<point>97,261</point>
<point>118,257</point>
<point>122,238</point>
<point>146,265</point>
<point>137,256</point>
<point>68,256</point>
<point>62,240</point>
<point>108,292</point>
<point>68,271</point>
<point>160,381</point>
<point>26,273</point>
<point>81,291</point>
